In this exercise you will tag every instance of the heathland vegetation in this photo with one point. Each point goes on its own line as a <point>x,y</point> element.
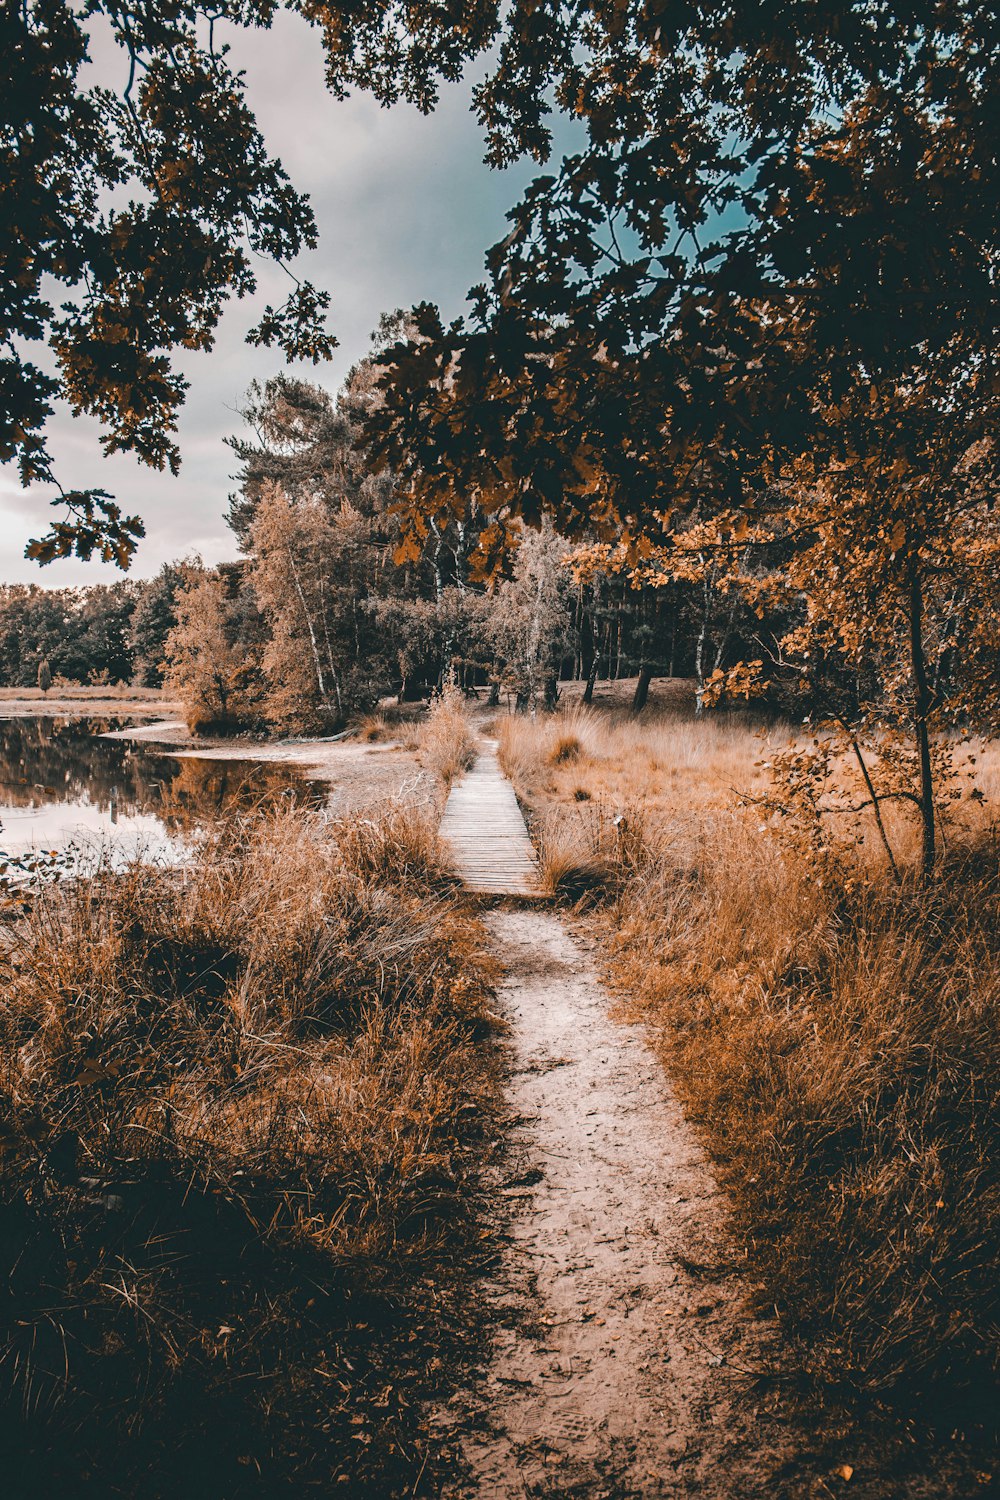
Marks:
<point>245,1110</point>
<point>833,1031</point>
<point>724,408</point>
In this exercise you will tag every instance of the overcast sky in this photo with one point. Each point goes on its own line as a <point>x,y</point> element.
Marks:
<point>405,209</point>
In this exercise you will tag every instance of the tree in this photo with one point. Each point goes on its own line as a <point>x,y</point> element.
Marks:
<point>531,617</point>
<point>103,638</point>
<point>352,608</point>
<point>44,676</point>
<point>144,207</point>
<point>758,305</point>
<point>81,633</point>
<point>303,571</point>
<point>154,617</point>
<point>207,666</point>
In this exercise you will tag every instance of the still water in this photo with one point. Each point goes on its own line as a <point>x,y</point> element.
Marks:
<point>61,787</point>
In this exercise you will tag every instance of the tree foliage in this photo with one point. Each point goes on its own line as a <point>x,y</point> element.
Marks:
<point>133,212</point>
<point>756,312</point>
<point>208,665</point>
<point>83,634</point>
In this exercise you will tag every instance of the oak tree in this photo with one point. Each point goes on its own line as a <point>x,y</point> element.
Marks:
<point>132,210</point>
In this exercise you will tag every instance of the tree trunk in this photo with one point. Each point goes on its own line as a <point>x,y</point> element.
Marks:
<point>588,692</point>
<point>641,693</point>
<point>317,664</point>
<point>551,691</point>
<point>699,667</point>
<point>436,561</point>
<point>922,702</point>
<point>707,584</point>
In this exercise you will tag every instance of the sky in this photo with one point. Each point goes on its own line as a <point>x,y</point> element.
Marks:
<point>405,209</point>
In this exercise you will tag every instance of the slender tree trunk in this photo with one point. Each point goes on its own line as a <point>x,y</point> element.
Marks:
<point>641,693</point>
<point>309,625</point>
<point>436,561</point>
<point>534,644</point>
<point>922,702</point>
<point>707,584</point>
<point>588,692</point>
<point>578,618</point>
<point>876,806</point>
<point>699,666</point>
<point>458,553</point>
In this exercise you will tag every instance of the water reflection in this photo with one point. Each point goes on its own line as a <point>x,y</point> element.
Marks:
<point>59,784</point>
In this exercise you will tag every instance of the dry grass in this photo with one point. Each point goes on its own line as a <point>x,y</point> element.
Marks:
<point>565,749</point>
<point>373,728</point>
<point>62,688</point>
<point>447,738</point>
<point>838,1039</point>
<point>240,1116</point>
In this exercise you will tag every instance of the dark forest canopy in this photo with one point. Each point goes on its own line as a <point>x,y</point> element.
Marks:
<point>784,217</point>
<point>101,634</point>
<point>829,170</point>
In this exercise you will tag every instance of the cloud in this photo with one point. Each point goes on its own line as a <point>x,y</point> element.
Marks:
<point>405,209</point>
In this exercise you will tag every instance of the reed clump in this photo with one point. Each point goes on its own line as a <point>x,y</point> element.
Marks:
<point>242,1110</point>
<point>446,740</point>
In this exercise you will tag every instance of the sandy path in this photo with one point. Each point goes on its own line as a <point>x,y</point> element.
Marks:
<point>624,1362</point>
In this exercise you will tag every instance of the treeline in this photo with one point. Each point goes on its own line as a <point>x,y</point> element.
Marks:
<point>333,605</point>
<point>107,633</point>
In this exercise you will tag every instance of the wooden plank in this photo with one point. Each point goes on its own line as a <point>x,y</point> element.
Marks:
<point>484,830</point>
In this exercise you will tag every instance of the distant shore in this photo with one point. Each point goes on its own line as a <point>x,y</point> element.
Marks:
<point>83,702</point>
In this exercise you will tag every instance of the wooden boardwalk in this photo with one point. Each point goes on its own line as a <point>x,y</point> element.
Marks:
<point>485,831</point>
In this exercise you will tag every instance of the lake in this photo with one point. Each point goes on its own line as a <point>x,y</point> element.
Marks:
<point>62,786</point>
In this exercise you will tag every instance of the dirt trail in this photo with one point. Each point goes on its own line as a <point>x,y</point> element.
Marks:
<point>626,1361</point>
<point>625,1353</point>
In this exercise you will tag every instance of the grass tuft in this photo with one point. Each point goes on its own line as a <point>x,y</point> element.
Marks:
<point>373,728</point>
<point>565,750</point>
<point>447,738</point>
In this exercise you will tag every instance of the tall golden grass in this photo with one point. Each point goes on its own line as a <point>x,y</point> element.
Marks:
<point>241,1113</point>
<point>837,1037</point>
<point>447,738</point>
